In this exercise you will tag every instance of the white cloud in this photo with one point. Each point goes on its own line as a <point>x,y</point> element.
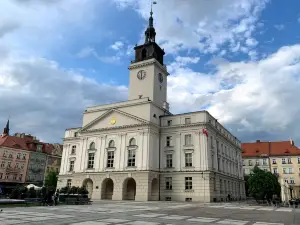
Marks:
<point>298,20</point>
<point>279,27</point>
<point>205,25</point>
<point>44,99</point>
<point>89,51</point>
<point>251,42</point>
<point>117,45</point>
<point>255,99</point>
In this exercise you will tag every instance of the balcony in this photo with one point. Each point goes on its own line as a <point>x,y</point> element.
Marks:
<point>12,170</point>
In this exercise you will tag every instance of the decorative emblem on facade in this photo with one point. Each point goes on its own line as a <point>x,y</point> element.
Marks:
<point>113,121</point>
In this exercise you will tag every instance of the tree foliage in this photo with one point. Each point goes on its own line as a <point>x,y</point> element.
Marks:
<point>51,179</point>
<point>263,185</point>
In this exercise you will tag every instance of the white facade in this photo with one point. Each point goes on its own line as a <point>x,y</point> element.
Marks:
<point>138,150</point>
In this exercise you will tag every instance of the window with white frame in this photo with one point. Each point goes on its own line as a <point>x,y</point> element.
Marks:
<point>286,180</point>
<point>39,148</point>
<point>2,164</point>
<point>274,161</point>
<point>285,170</point>
<point>187,120</point>
<point>188,183</point>
<point>283,161</point>
<point>73,151</point>
<point>168,183</point>
<point>188,139</point>
<point>298,160</point>
<point>132,142</point>
<point>75,134</point>
<point>292,181</point>
<point>250,162</point>
<point>291,170</point>
<point>188,159</point>
<point>257,163</point>
<point>169,160</point>
<point>289,161</point>
<point>265,162</point>
<point>91,157</point>
<point>8,164</point>
<point>169,141</point>
<point>110,159</point>
<point>24,156</point>
<point>71,167</point>
<point>275,170</point>
<point>19,156</point>
<point>131,158</point>
<point>69,183</point>
<point>169,123</point>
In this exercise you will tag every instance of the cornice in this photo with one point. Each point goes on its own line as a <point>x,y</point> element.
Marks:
<point>147,63</point>
<point>116,128</point>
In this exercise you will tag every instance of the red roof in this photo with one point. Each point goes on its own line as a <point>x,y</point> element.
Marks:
<point>280,148</point>
<point>25,143</point>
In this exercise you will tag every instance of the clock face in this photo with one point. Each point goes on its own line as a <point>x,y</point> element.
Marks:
<point>141,74</point>
<point>160,77</point>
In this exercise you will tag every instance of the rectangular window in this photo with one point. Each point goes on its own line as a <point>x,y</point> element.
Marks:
<point>275,170</point>
<point>1,175</point>
<point>8,164</point>
<point>69,183</point>
<point>24,156</point>
<point>14,177</point>
<point>188,199</point>
<point>250,163</point>
<point>91,157</point>
<point>257,163</point>
<point>4,154</point>
<point>131,158</point>
<point>285,170</point>
<point>188,139</point>
<point>243,163</point>
<point>169,141</point>
<point>18,155</point>
<point>264,162</point>
<point>283,161</point>
<point>188,183</point>
<point>188,159</point>
<point>298,160</point>
<point>110,159</point>
<point>71,168</point>
<point>292,181</point>
<point>168,199</point>
<point>291,170</point>
<point>221,186</point>
<point>21,176</point>
<point>10,155</point>
<point>2,164</point>
<point>274,161</point>
<point>169,123</point>
<point>169,160</point>
<point>76,134</point>
<point>187,120</point>
<point>168,183</point>
<point>289,161</point>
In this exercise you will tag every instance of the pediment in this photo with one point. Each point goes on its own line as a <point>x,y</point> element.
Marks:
<point>113,119</point>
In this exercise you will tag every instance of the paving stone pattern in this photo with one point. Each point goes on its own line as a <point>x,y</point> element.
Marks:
<point>134,213</point>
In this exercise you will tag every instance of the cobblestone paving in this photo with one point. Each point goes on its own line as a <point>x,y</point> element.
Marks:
<point>152,213</point>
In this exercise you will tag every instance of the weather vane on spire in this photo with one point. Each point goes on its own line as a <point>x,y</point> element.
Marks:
<point>152,3</point>
<point>150,32</point>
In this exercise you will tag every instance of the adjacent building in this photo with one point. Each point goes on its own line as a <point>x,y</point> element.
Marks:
<point>23,159</point>
<point>281,158</point>
<point>139,150</point>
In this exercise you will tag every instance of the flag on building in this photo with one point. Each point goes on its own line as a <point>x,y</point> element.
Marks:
<point>204,131</point>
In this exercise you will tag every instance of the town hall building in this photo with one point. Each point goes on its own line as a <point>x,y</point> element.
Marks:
<point>139,150</point>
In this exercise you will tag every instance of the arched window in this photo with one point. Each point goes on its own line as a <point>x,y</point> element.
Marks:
<point>92,145</point>
<point>132,142</point>
<point>111,144</point>
<point>144,53</point>
<point>73,149</point>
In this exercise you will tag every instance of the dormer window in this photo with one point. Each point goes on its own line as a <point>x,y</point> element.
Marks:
<point>39,148</point>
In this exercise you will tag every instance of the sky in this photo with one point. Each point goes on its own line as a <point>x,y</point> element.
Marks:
<point>237,59</point>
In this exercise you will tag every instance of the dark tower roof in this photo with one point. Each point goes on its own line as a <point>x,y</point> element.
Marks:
<point>149,49</point>
<point>6,129</point>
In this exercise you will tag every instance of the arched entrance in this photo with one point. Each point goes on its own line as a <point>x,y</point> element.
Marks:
<point>154,190</point>
<point>107,189</point>
<point>129,189</point>
<point>88,184</point>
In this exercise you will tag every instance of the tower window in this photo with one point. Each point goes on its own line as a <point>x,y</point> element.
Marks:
<point>144,53</point>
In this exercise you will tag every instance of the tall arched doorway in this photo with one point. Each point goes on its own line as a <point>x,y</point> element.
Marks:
<point>129,189</point>
<point>107,189</point>
<point>154,190</point>
<point>88,184</point>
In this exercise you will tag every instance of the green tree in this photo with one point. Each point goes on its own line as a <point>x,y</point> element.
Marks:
<point>262,185</point>
<point>51,179</point>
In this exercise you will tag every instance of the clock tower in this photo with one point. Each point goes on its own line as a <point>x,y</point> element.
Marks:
<point>148,74</point>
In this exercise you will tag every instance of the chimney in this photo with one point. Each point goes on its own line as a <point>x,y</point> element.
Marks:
<point>257,141</point>
<point>291,141</point>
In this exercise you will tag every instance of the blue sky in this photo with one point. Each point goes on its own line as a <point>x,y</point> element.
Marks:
<point>238,59</point>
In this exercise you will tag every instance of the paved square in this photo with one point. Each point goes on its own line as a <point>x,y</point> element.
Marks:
<point>150,213</point>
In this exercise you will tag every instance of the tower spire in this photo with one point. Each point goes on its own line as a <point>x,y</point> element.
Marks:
<point>6,129</point>
<point>150,32</point>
